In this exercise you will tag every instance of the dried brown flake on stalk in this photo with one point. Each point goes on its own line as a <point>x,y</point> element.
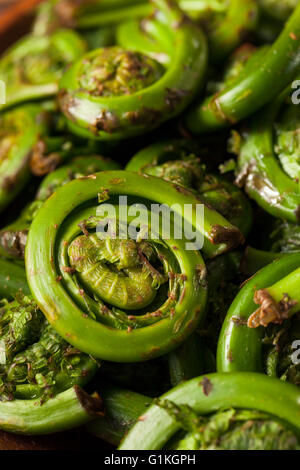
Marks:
<point>239,321</point>
<point>181,189</point>
<point>42,163</point>
<point>103,195</point>
<point>66,102</point>
<point>217,110</point>
<point>231,236</point>
<point>83,227</point>
<point>14,242</point>
<point>242,177</point>
<point>107,122</point>
<point>68,269</point>
<point>229,356</point>
<point>93,404</point>
<point>270,311</point>
<point>207,386</point>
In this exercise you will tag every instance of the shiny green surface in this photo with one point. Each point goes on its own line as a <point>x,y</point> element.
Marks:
<point>236,336</point>
<point>64,307</point>
<point>236,390</point>
<point>119,117</point>
<point>252,90</point>
<point>65,411</point>
<point>32,67</point>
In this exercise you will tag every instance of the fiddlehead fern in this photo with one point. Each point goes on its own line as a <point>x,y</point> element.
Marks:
<point>113,93</point>
<point>38,362</point>
<point>261,80</point>
<point>53,14</point>
<point>268,164</point>
<point>92,279</point>
<point>229,28</point>
<point>245,411</point>
<point>226,23</point>
<point>267,349</point>
<point>177,161</point>
<point>59,147</point>
<point>40,373</point>
<point>20,129</point>
<point>13,237</point>
<point>32,67</point>
<point>122,283</point>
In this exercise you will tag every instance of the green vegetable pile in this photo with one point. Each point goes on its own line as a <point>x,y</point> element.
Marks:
<point>121,117</point>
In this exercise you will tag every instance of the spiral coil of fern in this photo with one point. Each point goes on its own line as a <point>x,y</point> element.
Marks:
<point>13,237</point>
<point>178,419</point>
<point>95,283</point>
<point>32,67</point>
<point>275,289</point>
<point>112,93</point>
<point>53,14</point>
<point>268,164</point>
<point>260,81</point>
<point>226,23</point>
<point>177,161</point>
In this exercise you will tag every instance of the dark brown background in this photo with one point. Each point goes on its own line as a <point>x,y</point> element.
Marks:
<point>15,18</point>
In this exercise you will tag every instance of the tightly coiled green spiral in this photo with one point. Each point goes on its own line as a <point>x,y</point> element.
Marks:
<point>120,318</point>
<point>268,154</point>
<point>32,67</point>
<point>114,93</point>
